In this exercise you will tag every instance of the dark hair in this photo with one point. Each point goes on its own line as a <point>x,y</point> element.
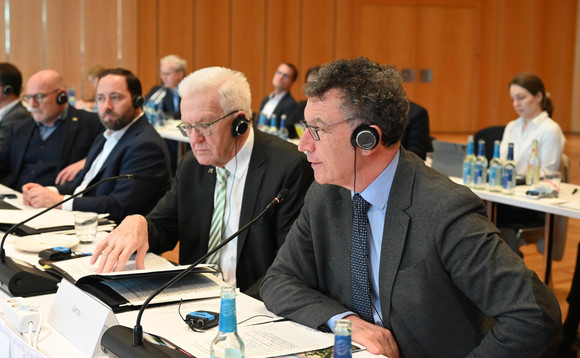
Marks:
<point>10,75</point>
<point>372,94</point>
<point>133,83</point>
<point>534,84</point>
<point>294,69</point>
<point>311,70</point>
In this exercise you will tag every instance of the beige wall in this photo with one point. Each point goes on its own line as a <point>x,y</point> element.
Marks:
<point>472,47</point>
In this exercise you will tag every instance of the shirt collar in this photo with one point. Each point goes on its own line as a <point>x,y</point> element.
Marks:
<point>377,193</point>
<point>60,118</point>
<point>238,165</point>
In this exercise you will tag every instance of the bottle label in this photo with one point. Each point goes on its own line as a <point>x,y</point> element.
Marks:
<point>507,178</point>
<point>342,347</point>
<point>228,315</point>
<point>494,179</point>
<point>478,174</point>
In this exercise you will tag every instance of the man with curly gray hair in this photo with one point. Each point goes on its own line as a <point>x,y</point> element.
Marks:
<point>409,257</point>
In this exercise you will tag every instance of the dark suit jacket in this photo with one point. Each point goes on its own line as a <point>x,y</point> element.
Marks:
<point>13,116</point>
<point>168,106</point>
<point>140,151</point>
<point>416,136</point>
<point>80,130</point>
<point>449,285</point>
<point>287,106</point>
<point>184,214</point>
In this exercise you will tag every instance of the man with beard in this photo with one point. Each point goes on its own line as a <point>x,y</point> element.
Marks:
<point>50,147</point>
<point>129,145</point>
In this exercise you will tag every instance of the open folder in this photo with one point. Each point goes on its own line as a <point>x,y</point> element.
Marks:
<point>128,290</point>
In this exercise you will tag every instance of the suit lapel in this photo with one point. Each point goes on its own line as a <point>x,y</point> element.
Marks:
<point>71,124</point>
<point>22,139</point>
<point>252,187</point>
<point>395,232</point>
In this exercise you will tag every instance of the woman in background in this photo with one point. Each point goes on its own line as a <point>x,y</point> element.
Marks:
<point>534,107</point>
<point>93,77</point>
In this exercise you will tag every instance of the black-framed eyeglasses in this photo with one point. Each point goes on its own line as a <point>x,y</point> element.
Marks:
<point>203,129</point>
<point>313,130</point>
<point>38,97</point>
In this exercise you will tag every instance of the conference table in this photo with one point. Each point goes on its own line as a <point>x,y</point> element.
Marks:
<point>567,204</point>
<point>257,326</point>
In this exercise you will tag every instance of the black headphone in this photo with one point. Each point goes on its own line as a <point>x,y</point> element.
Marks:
<point>365,137</point>
<point>240,125</point>
<point>61,97</point>
<point>138,101</point>
<point>8,90</point>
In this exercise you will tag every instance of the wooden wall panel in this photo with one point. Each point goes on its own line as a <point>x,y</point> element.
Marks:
<point>318,40</point>
<point>212,23</point>
<point>254,36</point>
<point>27,36</point>
<point>282,44</point>
<point>148,52</point>
<point>4,55</point>
<point>248,45</point>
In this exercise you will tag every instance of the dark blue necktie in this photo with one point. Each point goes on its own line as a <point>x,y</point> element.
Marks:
<point>361,292</point>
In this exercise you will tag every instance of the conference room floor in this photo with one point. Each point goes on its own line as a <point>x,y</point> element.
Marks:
<point>563,270</point>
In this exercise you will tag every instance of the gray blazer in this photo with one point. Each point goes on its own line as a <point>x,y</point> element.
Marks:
<point>449,285</point>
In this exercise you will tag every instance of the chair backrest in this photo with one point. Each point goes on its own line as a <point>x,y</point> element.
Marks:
<point>448,158</point>
<point>489,134</point>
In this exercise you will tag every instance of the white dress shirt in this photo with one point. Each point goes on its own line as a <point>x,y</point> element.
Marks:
<point>272,103</point>
<point>550,138</point>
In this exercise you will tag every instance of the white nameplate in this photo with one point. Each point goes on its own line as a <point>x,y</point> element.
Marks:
<point>80,318</point>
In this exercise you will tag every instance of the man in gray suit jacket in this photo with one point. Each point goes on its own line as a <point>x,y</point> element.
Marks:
<point>438,280</point>
<point>215,104</point>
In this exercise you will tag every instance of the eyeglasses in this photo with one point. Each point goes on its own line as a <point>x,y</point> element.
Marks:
<point>203,130</point>
<point>38,97</point>
<point>314,129</point>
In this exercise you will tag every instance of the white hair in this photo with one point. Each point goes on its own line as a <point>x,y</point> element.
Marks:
<point>231,86</point>
<point>175,61</point>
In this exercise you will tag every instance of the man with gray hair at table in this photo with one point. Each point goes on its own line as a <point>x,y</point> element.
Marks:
<point>230,175</point>
<point>405,254</point>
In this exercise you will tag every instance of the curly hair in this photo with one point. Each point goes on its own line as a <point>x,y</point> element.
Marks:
<point>372,94</point>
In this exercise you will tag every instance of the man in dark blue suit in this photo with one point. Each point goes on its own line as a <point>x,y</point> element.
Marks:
<point>130,145</point>
<point>50,147</point>
<point>255,167</point>
<point>172,70</point>
<point>280,101</point>
<point>11,109</point>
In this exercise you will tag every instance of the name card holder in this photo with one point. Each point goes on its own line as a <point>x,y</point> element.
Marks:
<point>80,318</point>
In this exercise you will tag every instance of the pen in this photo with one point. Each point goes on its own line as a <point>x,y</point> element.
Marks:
<point>574,191</point>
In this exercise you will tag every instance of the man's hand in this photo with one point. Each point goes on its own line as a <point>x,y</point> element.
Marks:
<point>116,249</point>
<point>38,196</point>
<point>69,173</point>
<point>376,339</point>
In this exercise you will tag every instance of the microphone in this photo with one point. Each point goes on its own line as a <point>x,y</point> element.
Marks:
<point>159,95</point>
<point>116,337</point>
<point>22,279</point>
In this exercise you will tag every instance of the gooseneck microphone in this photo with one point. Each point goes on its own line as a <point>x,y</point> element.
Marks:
<point>23,279</point>
<point>117,339</point>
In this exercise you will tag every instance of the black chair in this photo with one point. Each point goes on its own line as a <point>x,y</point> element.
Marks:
<point>489,134</point>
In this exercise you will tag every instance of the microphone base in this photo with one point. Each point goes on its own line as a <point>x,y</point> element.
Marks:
<point>24,280</point>
<point>118,340</point>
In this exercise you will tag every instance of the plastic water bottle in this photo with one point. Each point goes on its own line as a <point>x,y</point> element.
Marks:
<point>480,167</point>
<point>227,343</point>
<point>283,131</point>
<point>273,125</point>
<point>151,112</point>
<point>508,177</point>
<point>468,164</point>
<point>495,169</point>
<point>72,98</point>
<point>342,340</point>
<point>262,122</point>
<point>533,169</point>
<point>160,115</point>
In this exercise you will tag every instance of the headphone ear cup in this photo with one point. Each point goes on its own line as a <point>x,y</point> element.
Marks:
<point>364,137</point>
<point>138,101</point>
<point>8,89</point>
<point>240,125</point>
<point>62,97</point>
